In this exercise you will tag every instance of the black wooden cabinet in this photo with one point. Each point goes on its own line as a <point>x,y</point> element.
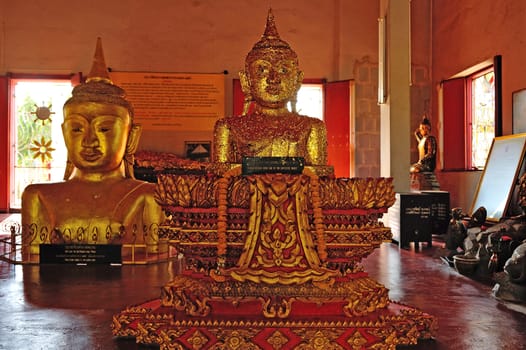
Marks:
<point>416,216</point>
<point>440,211</point>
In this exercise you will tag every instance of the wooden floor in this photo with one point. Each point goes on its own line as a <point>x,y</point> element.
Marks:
<point>70,307</point>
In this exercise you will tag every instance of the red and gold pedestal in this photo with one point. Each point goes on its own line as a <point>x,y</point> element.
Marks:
<point>195,312</point>
<point>273,262</point>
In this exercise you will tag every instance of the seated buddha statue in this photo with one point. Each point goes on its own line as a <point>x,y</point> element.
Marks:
<point>270,81</point>
<point>275,252</point>
<point>264,216</point>
<point>99,201</point>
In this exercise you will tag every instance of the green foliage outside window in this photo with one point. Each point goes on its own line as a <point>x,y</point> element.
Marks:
<point>30,129</point>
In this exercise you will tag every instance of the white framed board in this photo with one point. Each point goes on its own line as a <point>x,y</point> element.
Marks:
<point>500,175</point>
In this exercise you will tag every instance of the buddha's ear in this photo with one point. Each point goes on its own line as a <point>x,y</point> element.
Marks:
<point>133,139</point>
<point>69,169</point>
<point>131,148</point>
<point>245,83</point>
<point>300,80</point>
<point>245,87</point>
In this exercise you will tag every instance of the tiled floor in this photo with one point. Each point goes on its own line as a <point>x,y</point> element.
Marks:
<point>70,307</point>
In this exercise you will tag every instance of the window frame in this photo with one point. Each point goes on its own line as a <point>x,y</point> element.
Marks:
<point>6,160</point>
<point>456,106</point>
<point>469,115</point>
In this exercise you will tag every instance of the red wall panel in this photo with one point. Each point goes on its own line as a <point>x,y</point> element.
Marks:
<point>337,120</point>
<point>4,146</point>
<point>454,94</point>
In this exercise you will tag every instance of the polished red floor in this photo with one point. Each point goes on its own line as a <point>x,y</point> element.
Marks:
<point>70,307</point>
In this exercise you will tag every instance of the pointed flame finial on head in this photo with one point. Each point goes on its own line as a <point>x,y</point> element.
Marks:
<point>98,86</point>
<point>99,71</point>
<point>270,40</point>
<point>270,29</point>
<point>270,37</point>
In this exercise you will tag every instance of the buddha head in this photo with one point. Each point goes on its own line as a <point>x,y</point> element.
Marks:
<point>425,126</point>
<point>271,77</point>
<point>98,124</point>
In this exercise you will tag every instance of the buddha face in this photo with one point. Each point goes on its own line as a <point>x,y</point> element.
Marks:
<point>95,135</point>
<point>274,78</point>
<point>424,129</point>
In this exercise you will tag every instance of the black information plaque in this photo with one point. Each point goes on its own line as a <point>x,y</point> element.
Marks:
<point>80,254</point>
<point>265,165</point>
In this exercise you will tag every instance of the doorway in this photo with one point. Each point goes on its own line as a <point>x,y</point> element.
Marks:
<point>37,150</point>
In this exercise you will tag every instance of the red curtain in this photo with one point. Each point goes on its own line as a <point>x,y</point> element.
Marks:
<point>4,146</point>
<point>338,122</point>
<point>454,94</point>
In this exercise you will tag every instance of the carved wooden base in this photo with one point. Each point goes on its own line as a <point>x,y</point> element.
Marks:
<point>272,261</point>
<point>192,294</point>
<point>151,323</point>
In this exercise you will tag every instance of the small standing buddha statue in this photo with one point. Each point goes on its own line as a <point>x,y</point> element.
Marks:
<point>270,81</point>
<point>427,148</point>
<point>99,201</point>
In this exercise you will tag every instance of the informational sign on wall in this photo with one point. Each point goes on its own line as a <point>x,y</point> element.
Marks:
<point>174,101</point>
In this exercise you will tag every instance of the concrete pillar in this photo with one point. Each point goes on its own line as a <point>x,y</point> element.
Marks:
<point>395,113</point>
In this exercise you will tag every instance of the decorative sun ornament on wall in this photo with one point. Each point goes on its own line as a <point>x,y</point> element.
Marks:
<point>42,149</point>
<point>43,113</point>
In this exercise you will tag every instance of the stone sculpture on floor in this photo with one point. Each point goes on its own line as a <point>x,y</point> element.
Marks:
<point>508,239</point>
<point>495,251</point>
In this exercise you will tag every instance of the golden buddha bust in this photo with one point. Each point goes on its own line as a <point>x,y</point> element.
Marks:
<point>270,81</point>
<point>99,201</point>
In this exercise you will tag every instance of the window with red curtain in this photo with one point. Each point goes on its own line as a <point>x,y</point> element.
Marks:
<point>472,117</point>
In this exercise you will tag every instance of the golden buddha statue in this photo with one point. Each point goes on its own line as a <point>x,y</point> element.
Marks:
<point>427,148</point>
<point>270,82</point>
<point>272,259</point>
<point>99,201</point>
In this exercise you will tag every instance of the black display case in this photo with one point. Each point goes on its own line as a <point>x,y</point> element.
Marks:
<point>416,216</point>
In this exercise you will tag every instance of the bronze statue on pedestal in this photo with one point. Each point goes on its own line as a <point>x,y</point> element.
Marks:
<point>427,148</point>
